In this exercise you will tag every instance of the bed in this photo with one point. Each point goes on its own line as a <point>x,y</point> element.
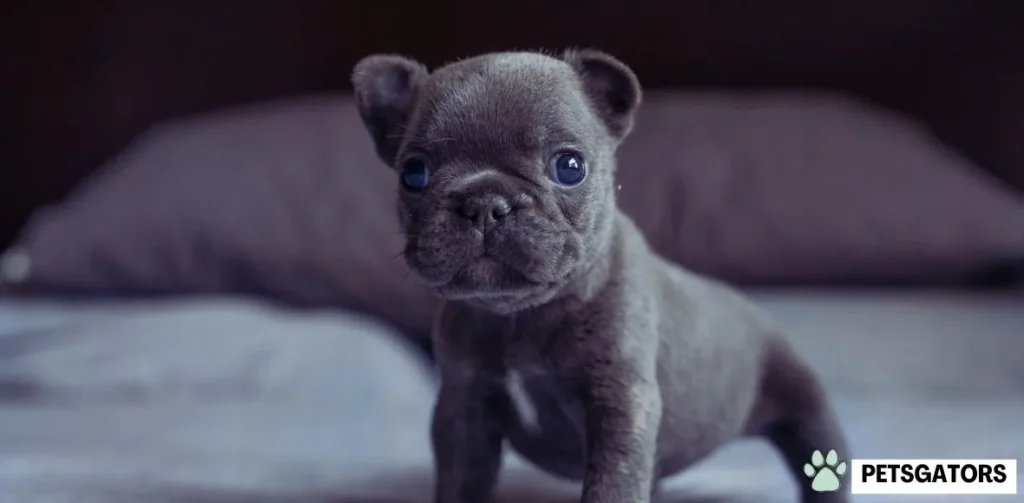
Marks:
<point>220,399</point>
<point>307,396</point>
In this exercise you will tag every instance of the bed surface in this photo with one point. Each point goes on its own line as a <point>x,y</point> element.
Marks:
<point>225,400</point>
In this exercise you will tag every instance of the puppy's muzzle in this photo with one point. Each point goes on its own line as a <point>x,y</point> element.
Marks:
<point>484,210</point>
<point>487,201</point>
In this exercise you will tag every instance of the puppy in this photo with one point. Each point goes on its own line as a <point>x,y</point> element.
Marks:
<point>562,333</point>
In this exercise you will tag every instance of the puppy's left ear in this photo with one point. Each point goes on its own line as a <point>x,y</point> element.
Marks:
<point>612,87</point>
<point>386,88</point>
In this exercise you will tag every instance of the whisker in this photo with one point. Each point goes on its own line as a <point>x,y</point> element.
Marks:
<point>400,254</point>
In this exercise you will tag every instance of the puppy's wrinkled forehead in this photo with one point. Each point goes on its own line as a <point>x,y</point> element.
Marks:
<point>518,100</point>
<point>508,100</point>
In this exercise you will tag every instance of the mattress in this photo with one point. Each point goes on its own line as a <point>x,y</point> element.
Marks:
<point>206,400</point>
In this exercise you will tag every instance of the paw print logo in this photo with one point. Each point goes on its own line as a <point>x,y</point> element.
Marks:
<point>825,471</point>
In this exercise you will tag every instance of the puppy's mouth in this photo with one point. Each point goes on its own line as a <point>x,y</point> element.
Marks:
<point>490,284</point>
<point>485,279</point>
<point>485,276</point>
<point>525,257</point>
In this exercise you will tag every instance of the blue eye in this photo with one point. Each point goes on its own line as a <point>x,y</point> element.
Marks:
<point>567,169</point>
<point>415,175</point>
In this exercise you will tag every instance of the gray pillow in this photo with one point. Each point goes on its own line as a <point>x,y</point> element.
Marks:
<point>287,201</point>
<point>283,200</point>
<point>800,188</point>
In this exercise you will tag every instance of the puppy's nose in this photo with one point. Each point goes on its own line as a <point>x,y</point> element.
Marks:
<point>484,209</point>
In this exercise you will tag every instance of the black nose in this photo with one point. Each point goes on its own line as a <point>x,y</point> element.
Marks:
<point>484,209</point>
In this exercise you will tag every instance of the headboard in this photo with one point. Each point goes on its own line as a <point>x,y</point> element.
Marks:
<point>81,79</point>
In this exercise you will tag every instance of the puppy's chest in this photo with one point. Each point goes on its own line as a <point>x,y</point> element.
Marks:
<point>542,397</point>
<point>541,401</point>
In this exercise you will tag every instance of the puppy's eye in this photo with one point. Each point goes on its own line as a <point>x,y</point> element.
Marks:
<point>567,169</point>
<point>415,174</point>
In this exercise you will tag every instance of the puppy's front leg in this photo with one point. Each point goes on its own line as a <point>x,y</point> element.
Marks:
<point>622,419</point>
<point>467,437</point>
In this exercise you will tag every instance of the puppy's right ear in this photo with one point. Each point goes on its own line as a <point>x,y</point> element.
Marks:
<point>611,86</point>
<point>386,87</point>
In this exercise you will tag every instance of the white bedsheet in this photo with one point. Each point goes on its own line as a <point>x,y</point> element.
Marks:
<point>222,400</point>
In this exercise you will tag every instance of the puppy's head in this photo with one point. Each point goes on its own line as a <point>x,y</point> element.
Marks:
<point>505,164</point>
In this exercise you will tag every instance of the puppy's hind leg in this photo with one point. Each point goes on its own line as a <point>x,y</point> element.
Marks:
<point>798,419</point>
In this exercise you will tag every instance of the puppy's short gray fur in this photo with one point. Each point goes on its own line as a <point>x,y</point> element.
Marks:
<point>562,333</point>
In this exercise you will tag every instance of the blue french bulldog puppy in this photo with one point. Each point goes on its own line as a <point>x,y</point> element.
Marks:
<point>562,333</point>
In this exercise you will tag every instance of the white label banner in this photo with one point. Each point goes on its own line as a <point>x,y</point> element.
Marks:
<point>933,476</point>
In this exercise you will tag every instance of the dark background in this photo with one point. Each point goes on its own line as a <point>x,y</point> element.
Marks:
<point>81,79</point>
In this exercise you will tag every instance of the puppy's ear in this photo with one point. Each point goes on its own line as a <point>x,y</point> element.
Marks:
<point>611,86</point>
<point>386,87</point>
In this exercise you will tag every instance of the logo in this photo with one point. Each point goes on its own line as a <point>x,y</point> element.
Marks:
<point>933,476</point>
<point>825,472</point>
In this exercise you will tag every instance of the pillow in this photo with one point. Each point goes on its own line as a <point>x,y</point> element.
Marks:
<point>283,200</point>
<point>802,188</point>
<point>288,201</point>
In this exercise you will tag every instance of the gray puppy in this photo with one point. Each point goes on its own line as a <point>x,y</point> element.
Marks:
<point>561,331</point>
